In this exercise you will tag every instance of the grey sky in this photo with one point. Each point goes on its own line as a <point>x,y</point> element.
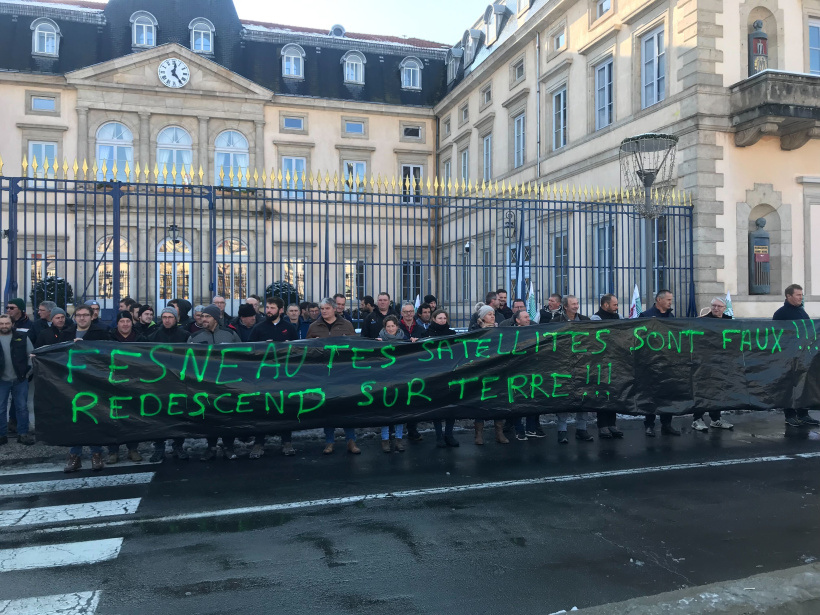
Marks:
<point>443,21</point>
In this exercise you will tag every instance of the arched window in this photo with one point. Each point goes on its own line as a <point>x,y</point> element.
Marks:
<point>470,42</point>
<point>411,68</point>
<point>293,61</point>
<point>231,154</point>
<point>174,152</point>
<point>173,269</point>
<point>144,29</point>
<point>453,57</point>
<point>45,37</point>
<point>115,144</point>
<point>202,35</point>
<point>232,272</point>
<point>105,271</point>
<point>353,62</point>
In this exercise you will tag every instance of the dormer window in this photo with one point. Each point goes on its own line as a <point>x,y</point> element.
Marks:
<point>453,57</point>
<point>353,62</point>
<point>411,73</point>
<point>144,29</point>
<point>337,31</point>
<point>469,42</point>
<point>293,61</point>
<point>45,37</point>
<point>492,17</point>
<point>202,35</point>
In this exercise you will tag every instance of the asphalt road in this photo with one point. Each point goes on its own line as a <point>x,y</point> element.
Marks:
<point>530,527</point>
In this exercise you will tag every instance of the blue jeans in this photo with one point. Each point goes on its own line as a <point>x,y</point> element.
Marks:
<point>448,428</point>
<point>78,450</point>
<point>532,423</point>
<point>350,434</point>
<point>19,397</point>
<point>399,432</point>
<point>580,420</point>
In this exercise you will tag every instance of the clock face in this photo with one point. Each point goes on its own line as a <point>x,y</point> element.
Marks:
<point>174,73</point>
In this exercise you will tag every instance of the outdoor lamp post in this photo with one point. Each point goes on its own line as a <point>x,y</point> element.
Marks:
<point>173,233</point>
<point>646,160</point>
<point>509,225</point>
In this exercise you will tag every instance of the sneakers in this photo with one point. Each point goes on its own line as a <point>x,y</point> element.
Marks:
<point>26,439</point>
<point>522,436</point>
<point>386,446</point>
<point>210,453</point>
<point>353,449</point>
<point>537,433</point>
<point>179,452</point>
<point>562,437</point>
<point>74,464</point>
<point>720,424</point>
<point>229,453</point>
<point>650,432</point>
<point>398,446</point>
<point>668,430</point>
<point>700,425</point>
<point>257,451</point>
<point>113,458</point>
<point>287,449</point>
<point>808,420</point>
<point>97,462</point>
<point>451,441</point>
<point>793,421</point>
<point>583,435</point>
<point>157,456</point>
<point>616,433</point>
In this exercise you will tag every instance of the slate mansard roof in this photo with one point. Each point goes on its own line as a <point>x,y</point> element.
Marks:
<point>92,33</point>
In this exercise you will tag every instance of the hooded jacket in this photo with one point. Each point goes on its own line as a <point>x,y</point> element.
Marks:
<point>174,335</point>
<point>220,336</point>
<point>437,330</point>
<point>184,308</point>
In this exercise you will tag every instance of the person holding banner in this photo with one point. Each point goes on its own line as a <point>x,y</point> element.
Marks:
<point>440,327</point>
<point>486,320</point>
<point>553,311</point>
<point>373,322</point>
<point>408,323</point>
<point>606,420</point>
<point>521,318</point>
<point>661,309</point>
<point>517,306</point>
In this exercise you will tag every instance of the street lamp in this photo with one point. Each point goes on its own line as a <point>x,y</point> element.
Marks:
<point>173,233</point>
<point>645,160</point>
<point>509,224</point>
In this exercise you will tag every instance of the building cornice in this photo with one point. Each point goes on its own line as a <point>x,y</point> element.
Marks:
<point>76,14</point>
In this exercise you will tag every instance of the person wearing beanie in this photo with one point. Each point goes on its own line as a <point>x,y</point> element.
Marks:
<point>245,321</point>
<point>195,324</point>
<point>183,308</point>
<point>58,332</point>
<point>95,313</point>
<point>431,301</point>
<point>125,332</point>
<point>486,320</point>
<point>16,309</point>
<point>168,331</point>
<point>145,321</point>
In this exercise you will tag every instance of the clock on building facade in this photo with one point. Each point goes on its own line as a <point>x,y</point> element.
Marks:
<point>174,73</point>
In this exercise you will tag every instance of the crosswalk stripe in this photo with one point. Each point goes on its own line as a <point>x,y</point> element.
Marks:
<point>69,512</point>
<point>80,603</point>
<point>73,484</point>
<point>47,468</point>
<point>64,554</point>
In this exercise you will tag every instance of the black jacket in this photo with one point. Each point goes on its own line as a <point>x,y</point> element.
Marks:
<point>24,324</point>
<point>280,332</point>
<point>548,317</point>
<point>790,312</point>
<point>19,355</point>
<point>135,336</point>
<point>51,335</point>
<point>418,331</point>
<point>242,331</point>
<point>184,308</point>
<point>374,323</point>
<point>174,335</point>
<point>96,333</point>
<point>505,311</point>
<point>710,315</point>
<point>604,315</point>
<point>437,330</point>
<point>654,312</point>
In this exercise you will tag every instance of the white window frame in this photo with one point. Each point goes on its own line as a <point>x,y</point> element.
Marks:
<point>199,28</point>
<point>50,99</point>
<point>416,174</point>
<point>42,172</point>
<point>353,61</point>
<point>296,165</point>
<point>516,67</point>
<point>301,121</point>
<point>233,154</point>
<point>603,257</point>
<point>181,261</point>
<point>814,24</point>
<point>411,68</point>
<point>559,39</point>
<point>602,7</point>
<point>352,169</point>
<point>411,273</point>
<point>464,114</point>
<point>123,151</point>
<point>486,94</point>
<point>559,118</point>
<point>653,68</point>
<point>363,132</point>
<point>145,22</point>
<point>51,34</point>
<point>232,273</point>
<point>519,140</point>
<point>103,279</point>
<point>487,151</point>
<point>604,94</point>
<point>448,128</point>
<point>464,163</point>
<point>560,263</point>
<point>293,61</point>
<point>447,175</point>
<point>182,156</point>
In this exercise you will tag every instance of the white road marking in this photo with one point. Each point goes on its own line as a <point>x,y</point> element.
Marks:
<point>807,455</point>
<point>81,603</point>
<point>73,484</point>
<point>355,499</point>
<point>68,512</point>
<point>46,468</point>
<point>66,554</point>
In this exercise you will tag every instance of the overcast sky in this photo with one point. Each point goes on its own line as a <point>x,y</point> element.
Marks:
<point>443,21</point>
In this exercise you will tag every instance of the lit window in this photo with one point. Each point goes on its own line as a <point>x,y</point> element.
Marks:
<point>202,35</point>
<point>604,101</point>
<point>602,7</point>
<point>653,66</point>
<point>144,29</point>
<point>411,73</point>
<point>293,61</point>
<point>115,146</point>
<point>294,123</point>
<point>231,154</point>
<point>354,62</point>
<point>45,38</point>
<point>40,103</point>
<point>354,128</point>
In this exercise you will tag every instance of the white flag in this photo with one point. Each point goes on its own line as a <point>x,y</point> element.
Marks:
<point>635,308</point>
<point>729,311</point>
<point>532,306</point>
<point>418,301</point>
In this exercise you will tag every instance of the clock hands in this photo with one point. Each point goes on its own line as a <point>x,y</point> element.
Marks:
<point>174,73</point>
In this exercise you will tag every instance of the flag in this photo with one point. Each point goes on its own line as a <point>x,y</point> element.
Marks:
<point>418,301</point>
<point>532,306</point>
<point>729,311</point>
<point>635,308</point>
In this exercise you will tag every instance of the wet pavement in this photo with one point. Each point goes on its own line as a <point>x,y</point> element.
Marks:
<point>528,527</point>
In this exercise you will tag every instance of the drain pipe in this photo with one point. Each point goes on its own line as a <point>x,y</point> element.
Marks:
<point>538,104</point>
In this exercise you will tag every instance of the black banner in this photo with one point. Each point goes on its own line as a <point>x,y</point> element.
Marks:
<point>100,393</point>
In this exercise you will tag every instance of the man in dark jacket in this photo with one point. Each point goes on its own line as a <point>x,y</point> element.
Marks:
<point>374,322</point>
<point>43,320</point>
<point>58,332</point>
<point>553,311</point>
<point>717,309</point>
<point>502,305</point>
<point>571,306</point>
<point>275,329</point>
<point>224,318</point>
<point>793,310</point>
<point>183,308</point>
<point>169,331</point>
<point>608,309</point>
<point>606,420</point>
<point>15,363</point>
<point>16,309</point>
<point>661,309</point>
<point>518,305</point>
<point>244,323</point>
<point>126,333</point>
<point>87,328</point>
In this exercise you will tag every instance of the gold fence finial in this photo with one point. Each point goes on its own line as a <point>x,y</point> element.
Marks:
<point>1,166</point>
<point>65,168</point>
<point>127,172</point>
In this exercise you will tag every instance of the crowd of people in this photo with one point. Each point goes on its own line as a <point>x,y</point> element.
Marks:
<point>272,320</point>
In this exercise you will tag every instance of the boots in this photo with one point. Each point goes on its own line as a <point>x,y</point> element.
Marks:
<point>479,433</point>
<point>499,433</point>
<point>97,462</point>
<point>74,463</point>
<point>353,449</point>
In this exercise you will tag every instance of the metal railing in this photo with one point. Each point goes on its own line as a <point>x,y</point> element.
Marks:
<point>155,242</point>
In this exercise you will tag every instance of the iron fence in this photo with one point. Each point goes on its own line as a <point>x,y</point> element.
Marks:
<point>155,242</point>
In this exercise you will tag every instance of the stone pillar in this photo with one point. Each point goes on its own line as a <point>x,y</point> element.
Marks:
<point>145,139</point>
<point>82,136</point>
<point>202,152</point>
<point>259,163</point>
